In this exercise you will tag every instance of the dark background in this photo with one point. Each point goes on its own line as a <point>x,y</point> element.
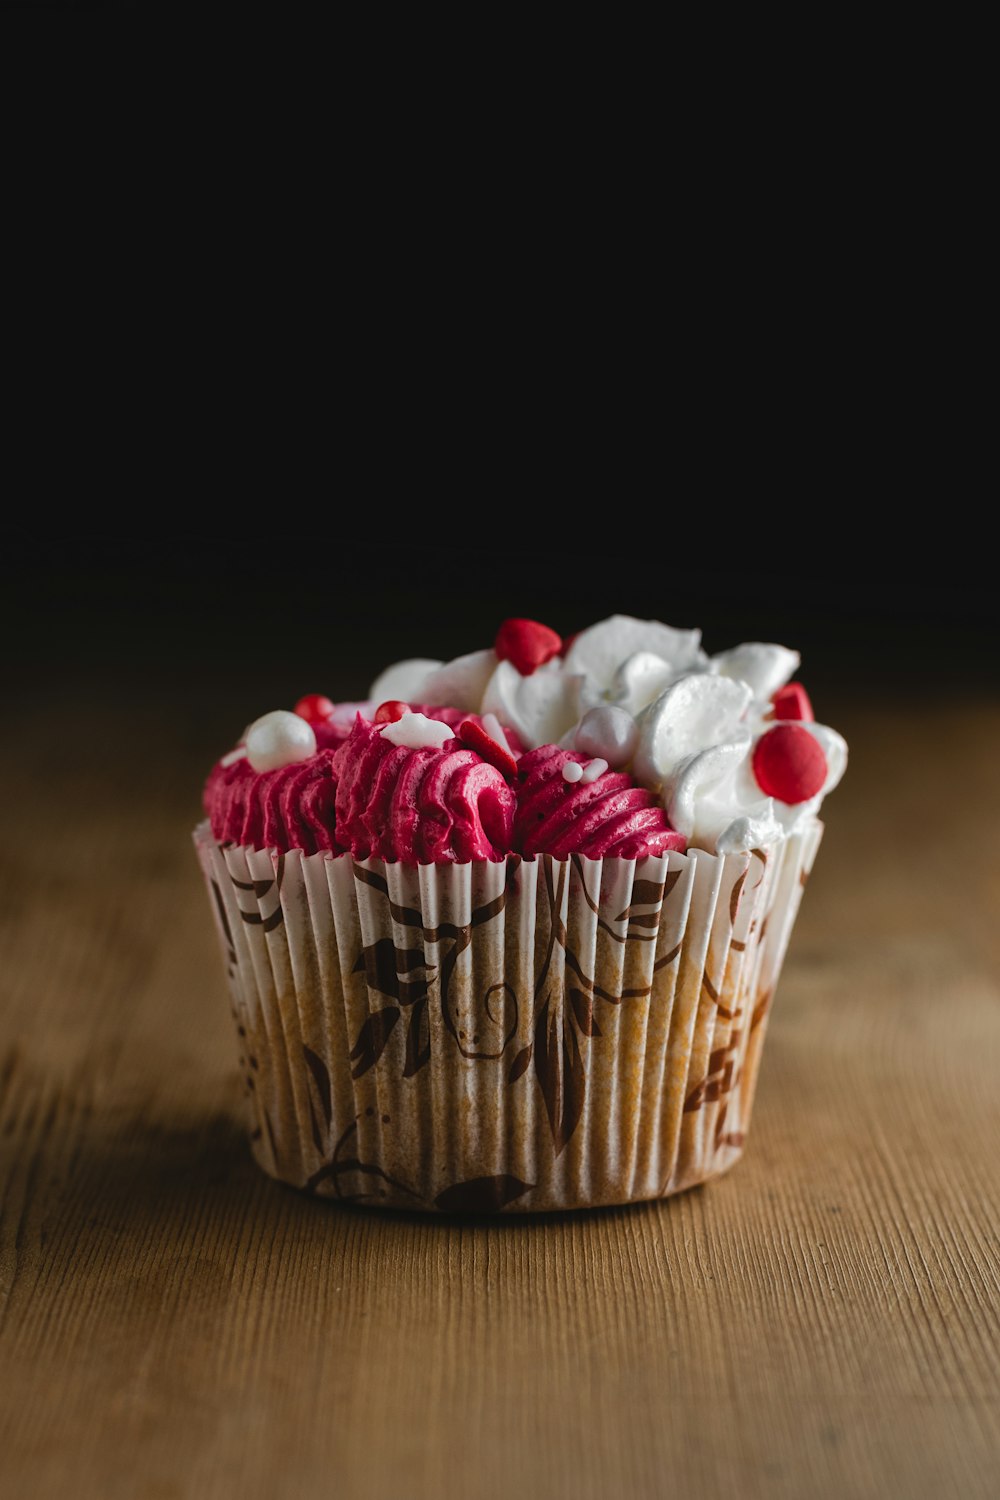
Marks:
<point>204,630</point>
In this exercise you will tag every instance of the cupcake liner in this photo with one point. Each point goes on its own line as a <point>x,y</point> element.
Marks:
<point>531,1035</point>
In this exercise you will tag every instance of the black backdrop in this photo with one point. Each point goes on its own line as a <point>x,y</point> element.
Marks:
<point>246,619</point>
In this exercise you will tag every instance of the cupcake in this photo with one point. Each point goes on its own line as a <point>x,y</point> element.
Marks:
<point>506,934</point>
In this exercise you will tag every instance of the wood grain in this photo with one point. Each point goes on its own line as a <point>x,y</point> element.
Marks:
<point>823,1321</point>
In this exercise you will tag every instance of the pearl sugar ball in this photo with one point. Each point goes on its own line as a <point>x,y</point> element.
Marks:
<point>279,739</point>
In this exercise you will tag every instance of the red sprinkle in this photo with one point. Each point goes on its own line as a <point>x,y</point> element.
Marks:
<point>474,737</point>
<point>527,644</point>
<point>792,702</point>
<point>391,710</point>
<point>789,763</point>
<point>314,708</point>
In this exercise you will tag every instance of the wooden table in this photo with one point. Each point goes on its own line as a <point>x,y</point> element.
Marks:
<point>823,1322</point>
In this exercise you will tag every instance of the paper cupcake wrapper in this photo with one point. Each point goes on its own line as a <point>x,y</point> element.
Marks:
<point>539,1034</point>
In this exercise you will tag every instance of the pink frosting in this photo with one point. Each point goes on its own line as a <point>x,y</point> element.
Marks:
<point>292,808</point>
<point>362,794</point>
<point>331,733</point>
<point>419,806</point>
<point>605,817</point>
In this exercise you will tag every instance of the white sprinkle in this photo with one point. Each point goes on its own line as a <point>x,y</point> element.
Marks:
<point>234,755</point>
<point>572,771</point>
<point>494,729</point>
<point>593,769</point>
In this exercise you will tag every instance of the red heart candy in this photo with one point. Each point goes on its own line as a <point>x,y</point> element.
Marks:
<point>527,644</point>
<point>314,708</point>
<point>390,711</point>
<point>789,763</point>
<point>474,737</point>
<point>792,702</point>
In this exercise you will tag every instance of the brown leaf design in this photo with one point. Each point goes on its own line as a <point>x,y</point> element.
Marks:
<point>734,900</point>
<point>254,919</point>
<point>224,919</point>
<point>583,1010</point>
<point>561,1076</point>
<point>418,1039</point>
<point>259,887</point>
<point>382,963</point>
<point>760,1009</point>
<point>318,1069</point>
<point>341,1166</point>
<point>574,1085</point>
<point>316,1132</point>
<point>408,959</point>
<point>577,864</point>
<point>378,964</point>
<point>547,1068</point>
<point>668,958</point>
<point>724,1137</point>
<point>519,1065</point>
<point>720,1079</point>
<point>372,1039</point>
<point>650,893</point>
<point>412,990</point>
<point>645,919</point>
<point>481,1195</point>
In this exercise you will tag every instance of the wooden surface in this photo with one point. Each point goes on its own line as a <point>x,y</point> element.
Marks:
<point>824,1321</point>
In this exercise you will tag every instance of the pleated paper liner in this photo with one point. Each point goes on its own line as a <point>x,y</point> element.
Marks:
<point>539,1034</point>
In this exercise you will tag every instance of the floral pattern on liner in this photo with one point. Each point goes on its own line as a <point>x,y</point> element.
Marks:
<point>534,1035</point>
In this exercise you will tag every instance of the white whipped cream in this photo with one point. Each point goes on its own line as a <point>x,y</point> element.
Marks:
<point>607,732</point>
<point>460,683</point>
<point>403,682</point>
<point>695,711</point>
<point>640,695</point>
<point>541,707</point>
<point>599,651</point>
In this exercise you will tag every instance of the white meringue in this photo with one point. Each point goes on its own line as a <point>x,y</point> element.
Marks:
<point>834,747</point>
<point>750,832</point>
<point>641,677</point>
<point>460,683</point>
<point>541,707</point>
<point>601,649</point>
<point>696,712</point>
<point>642,694</point>
<point>404,681</point>
<point>699,795</point>
<point>764,667</point>
<point>607,732</point>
